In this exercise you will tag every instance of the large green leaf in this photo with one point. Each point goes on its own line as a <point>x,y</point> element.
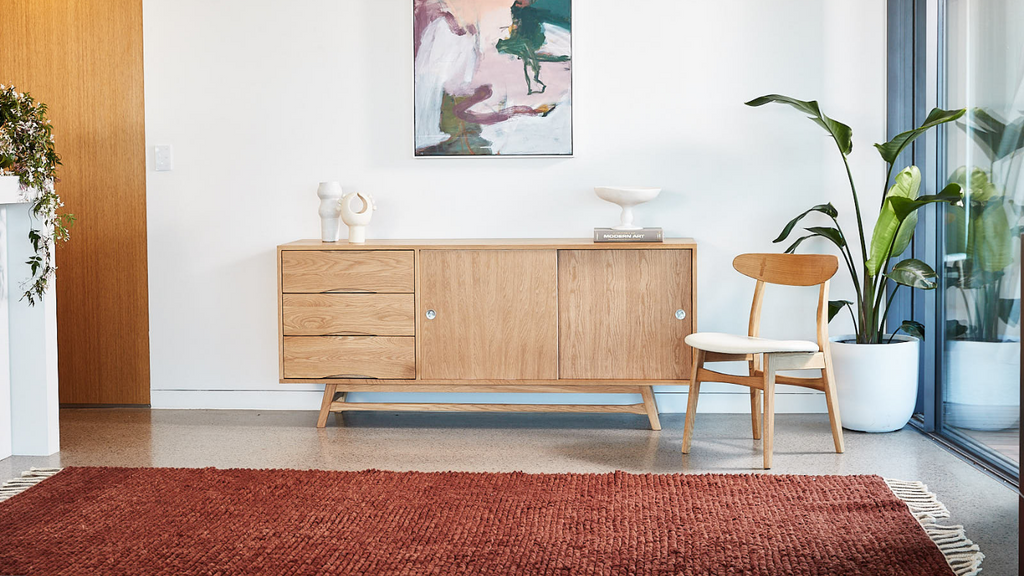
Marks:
<point>993,242</point>
<point>1009,311</point>
<point>831,234</point>
<point>955,329</point>
<point>907,185</point>
<point>956,230</point>
<point>892,149</point>
<point>914,273</point>
<point>827,209</point>
<point>904,207</point>
<point>914,329</point>
<point>994,136</point>
<point>842,133</point>
<point>835,306</point>
<point>980,188</point>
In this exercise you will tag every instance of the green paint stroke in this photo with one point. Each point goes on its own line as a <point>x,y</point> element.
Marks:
<point>463,137</point>
<point>526,36</point>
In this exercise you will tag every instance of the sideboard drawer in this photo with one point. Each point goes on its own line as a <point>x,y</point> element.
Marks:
<point>381,357</point>
<point>318,272</point>
<point>349,314</point>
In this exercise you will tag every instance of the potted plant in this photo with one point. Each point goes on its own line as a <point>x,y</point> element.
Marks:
<point>27,156</point>
<point>876,373</point>
<point>982,359</point>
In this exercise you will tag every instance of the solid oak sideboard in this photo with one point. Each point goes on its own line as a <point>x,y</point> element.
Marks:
<point>526,316</point>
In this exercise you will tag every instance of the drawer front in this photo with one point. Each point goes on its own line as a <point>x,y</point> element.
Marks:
<point>349,315</point>
<point>321,271</point>
<point>381,357</point>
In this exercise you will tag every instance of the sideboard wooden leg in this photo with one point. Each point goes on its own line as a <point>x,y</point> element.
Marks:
<point>325,405</point>
<point>651,405</point>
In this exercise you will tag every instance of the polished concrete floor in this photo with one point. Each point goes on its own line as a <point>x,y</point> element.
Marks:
<point>531,443</point>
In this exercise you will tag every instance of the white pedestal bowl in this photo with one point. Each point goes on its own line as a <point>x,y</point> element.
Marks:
<point>626,198</point>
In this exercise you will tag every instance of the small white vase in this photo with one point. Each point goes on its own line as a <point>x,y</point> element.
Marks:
<point>330,211</point>
<point>357,217</point>
<point>876,383</point>
<point>982,384</point>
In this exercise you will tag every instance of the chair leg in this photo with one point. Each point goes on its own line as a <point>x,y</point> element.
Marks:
<point>755,412</point>
<point>769,409</point>
<point>691,402</point>
<point>325,404</point>
<point>832,401</point>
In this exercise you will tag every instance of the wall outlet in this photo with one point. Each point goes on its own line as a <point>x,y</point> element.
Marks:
<point>163,158</point>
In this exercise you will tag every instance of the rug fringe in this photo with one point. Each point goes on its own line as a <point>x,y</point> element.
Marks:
<point>28,479</point>
<point>962,554</point>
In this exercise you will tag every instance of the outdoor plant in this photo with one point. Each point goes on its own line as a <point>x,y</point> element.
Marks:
<point>984,230</point>
<point>26,151</point>
<point>892,232</point>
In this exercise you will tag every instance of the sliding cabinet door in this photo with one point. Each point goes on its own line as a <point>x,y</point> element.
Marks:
<point>488,314</point>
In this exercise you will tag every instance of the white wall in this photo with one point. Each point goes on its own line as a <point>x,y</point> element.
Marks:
<point>262,99</point>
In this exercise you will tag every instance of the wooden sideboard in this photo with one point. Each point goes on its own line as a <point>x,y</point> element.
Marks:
<point>525,316</point>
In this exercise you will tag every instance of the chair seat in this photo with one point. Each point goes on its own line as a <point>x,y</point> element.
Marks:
<point>734,344</point>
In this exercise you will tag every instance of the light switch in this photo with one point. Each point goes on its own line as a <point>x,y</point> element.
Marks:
<point>163,157</point>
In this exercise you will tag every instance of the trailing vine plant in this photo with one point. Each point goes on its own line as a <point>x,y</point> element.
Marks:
<point>27,151</point>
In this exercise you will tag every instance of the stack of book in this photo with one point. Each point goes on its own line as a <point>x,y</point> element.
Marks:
<point>641,235</point>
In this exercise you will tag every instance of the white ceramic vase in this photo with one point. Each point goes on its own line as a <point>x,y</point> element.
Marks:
<point>356,211</point>
<point>983,390</point>
<point>876,383</point>
<point>330,211</point>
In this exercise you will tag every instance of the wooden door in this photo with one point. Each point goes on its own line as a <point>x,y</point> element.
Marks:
<point>84,60</point>
<point>495,314</point>
<point>617,314</point>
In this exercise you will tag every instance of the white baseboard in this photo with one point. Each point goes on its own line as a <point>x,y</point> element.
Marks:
<point>668,402</point>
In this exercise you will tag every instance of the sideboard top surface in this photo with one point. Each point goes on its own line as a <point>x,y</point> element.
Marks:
<point>492,244</point>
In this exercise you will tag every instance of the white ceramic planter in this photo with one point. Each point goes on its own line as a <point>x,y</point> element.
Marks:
<point>10,193</point>
<point>29,408</point>
<point>876,383</point>
<point>982,385</point>
<point>10,190</point>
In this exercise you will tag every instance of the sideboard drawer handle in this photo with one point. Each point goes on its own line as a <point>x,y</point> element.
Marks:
<point>431,314</point>
<point>680,314</point>
<point>353,377</point>
<point>348,290</point>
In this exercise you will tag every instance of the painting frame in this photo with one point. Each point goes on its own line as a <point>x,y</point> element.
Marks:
<point>571,91</point>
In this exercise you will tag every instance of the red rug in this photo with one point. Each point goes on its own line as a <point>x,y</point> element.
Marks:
<point>158,521</point>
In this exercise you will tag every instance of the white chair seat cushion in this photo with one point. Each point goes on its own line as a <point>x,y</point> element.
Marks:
<point>733,344</point>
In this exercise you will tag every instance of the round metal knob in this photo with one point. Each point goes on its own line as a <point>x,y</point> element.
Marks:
<point>680,314</point>
<point>431,314</point>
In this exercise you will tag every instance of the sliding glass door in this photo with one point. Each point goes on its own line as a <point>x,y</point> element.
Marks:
<point>982,70</point>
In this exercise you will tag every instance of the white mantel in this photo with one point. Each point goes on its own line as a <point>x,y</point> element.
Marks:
<point>28,341</point>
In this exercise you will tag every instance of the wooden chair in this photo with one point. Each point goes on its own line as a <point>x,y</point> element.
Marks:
<point>788,270</point>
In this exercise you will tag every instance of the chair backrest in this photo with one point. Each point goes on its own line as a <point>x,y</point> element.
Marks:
<point>789,270</point>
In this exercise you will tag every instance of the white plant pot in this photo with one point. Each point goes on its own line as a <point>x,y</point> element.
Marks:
<point>10,190</point>
<point>876,383</point>
<point>982,385</point>
<point>29,404</point>
<point>10,193</point>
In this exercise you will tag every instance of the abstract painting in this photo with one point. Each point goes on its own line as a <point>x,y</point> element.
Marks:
<point>493,77</point>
